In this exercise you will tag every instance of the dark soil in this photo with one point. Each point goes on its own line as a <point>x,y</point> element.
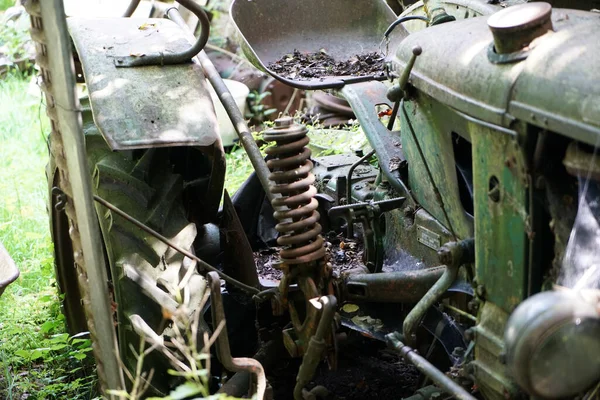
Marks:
<point>344,254</point>
<point>366,370</point>
<point>320,64</point>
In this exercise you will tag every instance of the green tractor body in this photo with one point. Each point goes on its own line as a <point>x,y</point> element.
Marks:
<point>479,225</point>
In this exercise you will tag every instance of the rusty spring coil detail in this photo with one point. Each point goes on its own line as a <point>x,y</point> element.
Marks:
<point>296,209</point>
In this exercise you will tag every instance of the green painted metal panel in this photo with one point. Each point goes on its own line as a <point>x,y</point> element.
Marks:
<point>433,124</point>
<point>501,223</point>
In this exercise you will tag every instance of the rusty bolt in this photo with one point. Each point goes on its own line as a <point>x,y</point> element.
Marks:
<point>284,122</point>
<point>480,290</point>
<point>469,334</point>
<point>445,255</point>
<point>473,305</point>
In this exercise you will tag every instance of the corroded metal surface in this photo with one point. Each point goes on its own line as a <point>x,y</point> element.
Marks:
<point>236,364</point>
<point>291,172</point>
<point>158,106</point>
<point>458,73</point>
<point>559,88</point>
<point>343,28</point>
<point>169,57</point>
<point>53,55</point>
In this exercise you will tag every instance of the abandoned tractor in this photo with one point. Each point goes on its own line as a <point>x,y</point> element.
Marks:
<point>458,258</point>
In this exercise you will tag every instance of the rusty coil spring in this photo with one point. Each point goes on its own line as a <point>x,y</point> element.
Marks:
<point>296,209</point>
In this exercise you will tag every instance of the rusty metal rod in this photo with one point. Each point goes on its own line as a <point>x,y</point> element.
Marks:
<point>222,344</point>
<point>268,355</point>
<point>246,139</point>
<point>316,346</point>
<point>351,171</point>
<point>414,317</point>
<point>161,58</point>
<point>203,264</point>
<point>133,5</point>
<point>424,366</point>
<point>391,287</point>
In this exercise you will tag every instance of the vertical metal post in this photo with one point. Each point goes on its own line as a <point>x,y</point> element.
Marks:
<point>62,69</point>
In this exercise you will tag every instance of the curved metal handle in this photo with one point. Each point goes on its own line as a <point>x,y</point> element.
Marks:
<point>236,364</point>
<point>161,58</point>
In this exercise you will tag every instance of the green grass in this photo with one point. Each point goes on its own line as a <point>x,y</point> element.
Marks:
<point>4,4</point>
<point>37,358</point>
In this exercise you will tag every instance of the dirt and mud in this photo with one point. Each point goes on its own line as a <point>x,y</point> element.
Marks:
<point>298,65</point>
<point>345,254</point>
<point>366,370</point>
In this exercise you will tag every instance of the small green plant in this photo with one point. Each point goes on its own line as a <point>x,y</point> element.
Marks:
<point>189,358</point>
<point>15,43</point>
<point>257,110</point>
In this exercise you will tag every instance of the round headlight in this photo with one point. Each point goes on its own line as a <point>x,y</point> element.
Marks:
<point>553,344</point>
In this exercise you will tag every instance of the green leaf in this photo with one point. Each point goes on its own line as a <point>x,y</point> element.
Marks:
<point>49,326</point>
<point>23,353</point>
<point>46,298</point>
<point>60,338</point>
<point>35,354</point>
<point>79,356</point>
<point>57,347</point>
<point>185,390</point>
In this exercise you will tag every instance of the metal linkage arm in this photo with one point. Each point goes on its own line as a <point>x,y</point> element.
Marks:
<point>234,113</point>
<point>222,344</point>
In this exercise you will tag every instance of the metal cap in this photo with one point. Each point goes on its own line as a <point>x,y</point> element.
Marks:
<point>514,28</point>
<point>283,122</point>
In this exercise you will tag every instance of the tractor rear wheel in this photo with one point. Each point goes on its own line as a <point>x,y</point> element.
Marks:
<point>147,277</point>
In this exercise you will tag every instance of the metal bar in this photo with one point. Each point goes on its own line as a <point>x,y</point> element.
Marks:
<point>316,346</point>
<point>133,5</point>
<point>414,317</point>
<point>246,139</point>
<point>268,355</point>
<point>351,171</point>
<point>391,287</point>
<point>460,312</point>
<point>382,205</point>
<point>161,58</point>
<point>437,376</point>
<point>402,20</point>
<point>222,343</point>
<point>203,264</point>
<point>68,112</point>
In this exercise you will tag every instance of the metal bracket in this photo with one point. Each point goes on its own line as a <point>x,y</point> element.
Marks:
<point>161,58</point>
<point>368,215</point>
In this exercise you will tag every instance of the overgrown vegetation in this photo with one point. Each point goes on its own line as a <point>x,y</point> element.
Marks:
<point>16,48</point>
<point>37,357</point>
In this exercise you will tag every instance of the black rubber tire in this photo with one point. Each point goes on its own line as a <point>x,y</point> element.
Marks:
<point>142,184</point>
